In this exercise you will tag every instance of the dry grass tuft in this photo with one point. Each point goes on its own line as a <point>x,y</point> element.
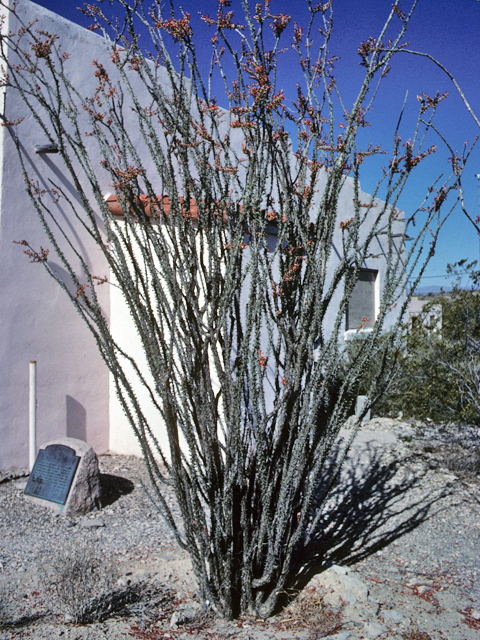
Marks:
<point>81,578</point>
<point>83,582</point>
<point>309,610</point>
<point>461,461</point>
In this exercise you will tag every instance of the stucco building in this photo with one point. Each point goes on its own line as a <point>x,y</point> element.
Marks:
<point>74,390</point>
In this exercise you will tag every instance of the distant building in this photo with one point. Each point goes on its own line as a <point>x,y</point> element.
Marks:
<point>430,318</point>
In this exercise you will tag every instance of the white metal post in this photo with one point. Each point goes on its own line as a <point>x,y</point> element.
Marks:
<point>33,414</point>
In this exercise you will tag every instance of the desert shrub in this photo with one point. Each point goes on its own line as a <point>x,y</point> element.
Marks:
<point>461,461</point>
<point>420,388</point>
<point>82,579</point>
<point>438,373</point>
<point>381,370</point>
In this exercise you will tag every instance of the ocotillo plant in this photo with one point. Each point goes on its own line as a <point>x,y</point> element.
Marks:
<point>241,335</point>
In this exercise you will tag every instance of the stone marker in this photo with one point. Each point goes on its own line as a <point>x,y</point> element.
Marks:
<point>65,478</point>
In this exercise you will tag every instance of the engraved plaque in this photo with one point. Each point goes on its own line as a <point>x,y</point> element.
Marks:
<point>52,473</point>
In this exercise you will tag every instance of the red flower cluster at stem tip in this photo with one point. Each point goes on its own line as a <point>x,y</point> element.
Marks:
<point>178,29</point>
<point>35,256</point>
<point>398,12</point>
<point>363,323</point>
<point>81,290</point>
<point>430,103</point>
<point>262,361</point>
<point>43,48</point>
<point>279,24</point>
<point>125,176</point>
<point>115,56</point>
<point>365,49</point>
<point>345,224</point>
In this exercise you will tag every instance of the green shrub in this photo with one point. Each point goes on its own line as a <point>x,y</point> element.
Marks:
<point>438,375</point>
<point>378,371</point>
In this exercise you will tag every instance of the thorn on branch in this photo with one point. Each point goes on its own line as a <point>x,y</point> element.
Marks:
<point>366,205</point>
<point>440,199</point>
<point>386,70</point>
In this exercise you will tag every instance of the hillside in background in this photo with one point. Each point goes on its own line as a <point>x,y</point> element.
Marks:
<point>431,290</point>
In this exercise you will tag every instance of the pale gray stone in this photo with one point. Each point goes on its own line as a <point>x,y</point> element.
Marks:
<point>91,523</point>
<point>374,629</point>
<point>423,589</point>
<point>185,614</point>
<point>349,597</point>
<point>123,582</point>
<point>392,615</point>
<point>341,584</point>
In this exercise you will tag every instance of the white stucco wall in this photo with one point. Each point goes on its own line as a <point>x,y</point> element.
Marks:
<point>122,439</point>
<point>37,321</point>
<point>378,248</point>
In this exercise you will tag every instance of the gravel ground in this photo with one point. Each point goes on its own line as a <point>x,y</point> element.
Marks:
<point>402,558</point>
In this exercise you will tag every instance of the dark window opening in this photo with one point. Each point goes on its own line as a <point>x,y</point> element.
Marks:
<point>361,309</point>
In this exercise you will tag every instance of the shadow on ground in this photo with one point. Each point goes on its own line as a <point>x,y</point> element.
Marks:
<point>21,622</point>
<point>113,487</point>
<point>372,505</point>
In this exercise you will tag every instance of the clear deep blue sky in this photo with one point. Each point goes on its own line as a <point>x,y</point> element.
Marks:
<point>447,29</point>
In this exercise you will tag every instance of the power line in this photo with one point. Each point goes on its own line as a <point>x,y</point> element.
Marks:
<point>447,275</point>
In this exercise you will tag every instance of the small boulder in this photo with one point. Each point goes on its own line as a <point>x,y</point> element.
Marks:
<point>91,523</point>
<point>82,490</point>
<point>185,614</point>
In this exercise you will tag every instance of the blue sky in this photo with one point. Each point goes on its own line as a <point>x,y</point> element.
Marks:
<point>447,29</point>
